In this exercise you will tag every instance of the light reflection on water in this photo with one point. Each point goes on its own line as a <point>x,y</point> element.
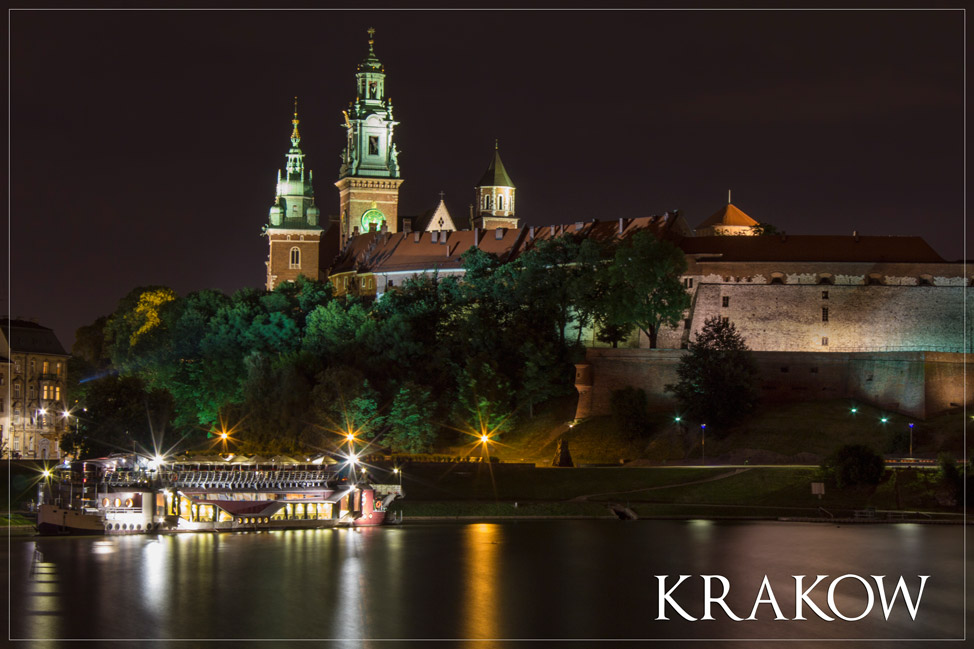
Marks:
<point>541,579</point>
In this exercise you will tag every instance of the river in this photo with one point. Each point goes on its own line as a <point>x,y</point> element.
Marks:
<point>580,580</point>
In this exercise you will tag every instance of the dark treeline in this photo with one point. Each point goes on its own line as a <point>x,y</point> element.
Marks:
<point>291,369</point>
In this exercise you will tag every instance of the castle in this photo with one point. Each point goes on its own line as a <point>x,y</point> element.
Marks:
<point>869,317</point>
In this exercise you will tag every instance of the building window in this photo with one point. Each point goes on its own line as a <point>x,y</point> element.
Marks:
<point>17,367</point>
<point>784,370</point>
<point>825,341</point>
<point>2,379</point>
<point>33,366</point>
<point>725,319</point>
<point>500,202</point>
<point>16,390</point>
<point>688,282</point>
<point>17,444</point>
<point>777,279</point>
<point>725,301</point>
<point>32,392</point>
<point>825,295</point>
<point>488,202</point>
<point>57,368</point>
<point>825,314</point>
<point>874,279</point>
<point>813,370</point>
<point>390,283</point>
<point>57,393</point>
<point>686,324</point>
<point>45,392</point>
<point>373,145</point>
<point>295,258</point>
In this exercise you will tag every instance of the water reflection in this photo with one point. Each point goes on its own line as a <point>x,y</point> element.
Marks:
<point>482,545</point>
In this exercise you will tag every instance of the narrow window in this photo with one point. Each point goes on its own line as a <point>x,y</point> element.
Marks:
<point>295,258</point>
<point>725,301</point>
<point>2,379</point>
<point>33,366</point>
<point>57,368</point>
<point>57,393</point>
<point>500,202</point>
<point>725,319</point>
<point>825,295</point>
<point>825,314</point>
<point>45,367</point>
<point>17,367</point>
<point>825,341</point>
<point>32,392</point>
<point>686,324</point>
<point>16,390</point>
<point>390,283</point>
<point>813,370</point>
<point>373,145</point>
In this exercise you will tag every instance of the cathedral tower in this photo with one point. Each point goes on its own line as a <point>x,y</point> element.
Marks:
<point>495,197</point>
<point>293,230</point>
<point>368,181</point>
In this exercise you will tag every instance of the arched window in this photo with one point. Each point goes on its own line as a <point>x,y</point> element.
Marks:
<point>487,202</point>
<point>295,258</point>
<point>500,202</point>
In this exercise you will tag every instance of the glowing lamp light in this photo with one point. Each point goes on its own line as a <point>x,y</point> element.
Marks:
<point>395,469</point>
<point>65,413</point>
<point>677,419</point>
<point>703,425</point>
<point>350,437</point>
<point>884,419</point>
<point>42,411</point>
<point>46,473</point>
<point>159,459</point>
<point>353,458</point>
<point>224,436</point>
<point>911,424</point>
<point>854,410</point>
<point>484,439</point>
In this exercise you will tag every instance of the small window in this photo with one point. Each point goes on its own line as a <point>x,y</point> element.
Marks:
<point>688,282</point>
<point>46,367</point>
<point>500,202</point>
<point>874,279</point>
<point>825,341</point>
<point>57,368</point>
<point>16,390</point>
<point>813,370</point>
<point>373,145</point>
<point>777,279</point>
<point>825,314</point>
<point>390,283</point>
<point>2,379</point>
<point>295,258</point>
<point>686,324</point>
<point>33,366</point>
<point>32,392</point>
<point>926,280</point>
<point>725,301</point>
<point>825,295</point>
<point>57,393</point>
<point>725,319</point>
<point>784,369</point>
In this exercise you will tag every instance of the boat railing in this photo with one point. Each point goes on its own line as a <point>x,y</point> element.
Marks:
<point>249,478</point>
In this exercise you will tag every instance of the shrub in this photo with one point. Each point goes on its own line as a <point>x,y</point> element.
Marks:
<point>629,411</point>
<point>854,464</point>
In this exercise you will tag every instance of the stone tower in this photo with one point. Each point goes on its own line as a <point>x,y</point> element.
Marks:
<point>293,230</point>
<point>369,180</point>
<point>494,200</point>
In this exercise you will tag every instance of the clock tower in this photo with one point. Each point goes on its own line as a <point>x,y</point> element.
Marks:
<point>369,179</point>
<point>293,230</point>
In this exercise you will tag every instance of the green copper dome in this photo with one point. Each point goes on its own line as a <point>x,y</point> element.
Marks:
<point>371,62</point>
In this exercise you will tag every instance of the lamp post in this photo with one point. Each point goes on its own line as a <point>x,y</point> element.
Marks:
<point>703,444</point>
<point>911,439</point>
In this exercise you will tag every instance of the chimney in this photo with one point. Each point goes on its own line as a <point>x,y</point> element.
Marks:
<point>499,233</point>
<point>855,235</point>
<point>355,231</point>
<point>417,235</point>
<point>531,233</point>
<point>407,225</point>
<point>476,237</point>
<point>385,227</point>
<point>622,226</point>
<point>578,226</point>
<point>444,235</point>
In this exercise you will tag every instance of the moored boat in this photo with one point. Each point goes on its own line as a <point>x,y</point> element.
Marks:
<point>126,495</point>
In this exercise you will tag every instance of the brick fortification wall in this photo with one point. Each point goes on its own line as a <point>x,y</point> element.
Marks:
<point>858,318</point>
<point>918,384</point>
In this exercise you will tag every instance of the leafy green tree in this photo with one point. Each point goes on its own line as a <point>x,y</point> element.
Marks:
<point>613,334</point>
<point>717,376</point>
<point>483,405</point>
<point>345,402</point>
<point>630,412</point>
<point>410,421</point>
<point>764,229</point>
<point>854,464</point>
<point>119,414</point>
<point>644,287</point>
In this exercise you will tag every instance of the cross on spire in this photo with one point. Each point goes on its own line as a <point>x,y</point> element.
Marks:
<point>371,31</point>
<point>442,194</point>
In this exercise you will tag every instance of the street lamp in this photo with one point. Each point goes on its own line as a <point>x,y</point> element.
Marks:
<point>911,439</point>
<point>703,444</point>
<point>396,471</point>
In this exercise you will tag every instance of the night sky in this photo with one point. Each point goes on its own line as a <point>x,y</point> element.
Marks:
<point>145,144</point>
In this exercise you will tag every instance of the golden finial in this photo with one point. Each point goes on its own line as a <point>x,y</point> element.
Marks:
<point>371,31</point>
<point>294,134</point>
<point>496,144</point>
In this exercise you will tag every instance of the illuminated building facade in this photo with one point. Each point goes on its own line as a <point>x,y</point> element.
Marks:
<point>33,369</point>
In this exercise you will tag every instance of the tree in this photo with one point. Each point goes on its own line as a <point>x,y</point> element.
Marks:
<point>644,287</point>
<point>483,405</point>
<point>410,421</point>
<point>718,376</point>
<point>854,464</point>
<point>629,412</point>
<point>765,229</point>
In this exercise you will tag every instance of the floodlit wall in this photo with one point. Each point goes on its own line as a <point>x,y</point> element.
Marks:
<point>919,384</point>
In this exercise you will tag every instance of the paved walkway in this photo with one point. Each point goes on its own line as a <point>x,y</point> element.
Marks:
<point>585,497</point>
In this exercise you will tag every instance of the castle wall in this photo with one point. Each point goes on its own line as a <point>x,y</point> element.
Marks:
<point>919,384</point>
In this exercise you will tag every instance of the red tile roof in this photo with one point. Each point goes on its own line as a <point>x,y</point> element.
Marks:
<point>798,248</point>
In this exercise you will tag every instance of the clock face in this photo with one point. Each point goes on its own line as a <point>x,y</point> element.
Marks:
<point>370,217</point>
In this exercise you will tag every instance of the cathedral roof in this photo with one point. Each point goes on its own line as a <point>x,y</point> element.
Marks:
<point>827,248</point>
<point>496,174</point>
<point>728,215</point>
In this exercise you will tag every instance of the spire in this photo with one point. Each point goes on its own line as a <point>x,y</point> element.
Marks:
<point>496,174</point>
<point>371,62</point>
<point>295,136</point>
